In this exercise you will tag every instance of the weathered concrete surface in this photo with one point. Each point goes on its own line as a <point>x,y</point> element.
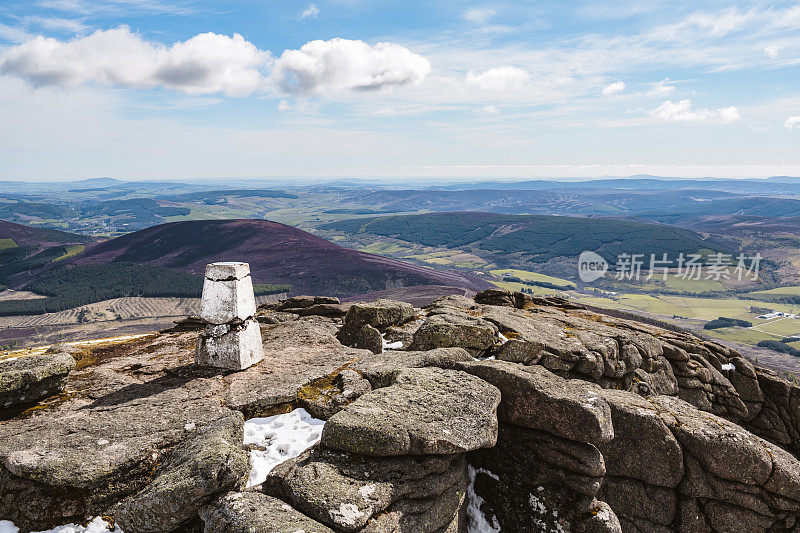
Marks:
<point>30,379</point>
<point>233,346</point>
<point>227,293</point>
<point>232,338</point>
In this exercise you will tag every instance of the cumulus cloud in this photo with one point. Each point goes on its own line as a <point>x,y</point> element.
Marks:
<point>505,78</point>
<point>791,122</point>
<point>206,63</point>
<point>684,112</point>
<point>771,51</point>
<point>613,88</point>
<point>342,64</point>
<point>312,11</point>
<point>211,63</point>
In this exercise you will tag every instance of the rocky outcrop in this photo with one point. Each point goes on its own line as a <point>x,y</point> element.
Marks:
<point>365,319</point>
<point>395,459</point>
<point>30,379</point>
<point>353,492</point>
<point>425,411</point>
<point>255,512</point>
<point>505,412</point>
<point>211,462</point>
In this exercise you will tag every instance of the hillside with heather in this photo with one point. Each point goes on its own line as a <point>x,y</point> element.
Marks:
<point>277,254</point>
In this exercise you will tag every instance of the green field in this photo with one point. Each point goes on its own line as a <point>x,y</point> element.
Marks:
<point>530,276</point>
<point>537,291</point>
<point>778,292</point>
<point>6,244</point>
<point>72,251</point>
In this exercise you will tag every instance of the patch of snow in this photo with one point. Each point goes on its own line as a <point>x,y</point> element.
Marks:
<point>102,442</point>
<point>397,345</point>
<point>728,366</point>
<point>347,513</point>
<point>503,338</point>
<point>283,437</point>
<point>98,525</point>
<point>476,520</point>
<point>190,426</point>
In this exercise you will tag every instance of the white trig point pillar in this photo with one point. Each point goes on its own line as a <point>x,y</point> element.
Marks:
<point>231,338</point>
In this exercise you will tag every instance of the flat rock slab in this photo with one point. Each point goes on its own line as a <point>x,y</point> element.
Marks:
<point>295,354</point>
<point>382,369</point>
<point>535,398</point>
<point>451,330</point>
<point>379,314</point>
<point>255,512</point>
<point>30,379</point>
<point>425,411</point>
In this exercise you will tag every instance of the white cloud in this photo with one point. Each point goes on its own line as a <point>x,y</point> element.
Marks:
<point>499,79</point>
<point>719,24</point>
<point>14,34</point>
<point>613,88</point>
<point>683,112</point>
<point>56,23</point>
<point>791,122</point>
<point>661,88</point>
<point>478,15</point>
<point>490,110</point>
<point>729,114</point>
<point>342,64</point>
<point>206,63</point>
<point>312,11</point>
<point>117,7</point>
<point>772,51</point>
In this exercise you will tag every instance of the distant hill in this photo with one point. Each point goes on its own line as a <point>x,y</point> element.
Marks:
<point>216,196</point>
<point>518,239</point>
<point>277,254</point>
<point>26,235</point>
<point>24,249</point>
<point>742,206</point>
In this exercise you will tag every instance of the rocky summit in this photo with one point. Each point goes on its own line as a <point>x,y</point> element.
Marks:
<point>505,412</point>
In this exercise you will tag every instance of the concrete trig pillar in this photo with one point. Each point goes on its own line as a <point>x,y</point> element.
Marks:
<point>231,338</point>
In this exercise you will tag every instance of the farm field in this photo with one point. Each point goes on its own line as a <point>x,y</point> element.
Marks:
<point>530,276</point>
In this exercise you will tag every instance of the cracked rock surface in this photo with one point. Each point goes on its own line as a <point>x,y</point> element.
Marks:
<point>531,414</point>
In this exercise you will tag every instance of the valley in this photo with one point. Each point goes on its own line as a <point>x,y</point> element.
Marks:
<point>354,239</point>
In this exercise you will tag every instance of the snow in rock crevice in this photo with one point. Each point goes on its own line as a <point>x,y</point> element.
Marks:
<point>282,437</point>
<point>476,520</point>
<point>98,525</point>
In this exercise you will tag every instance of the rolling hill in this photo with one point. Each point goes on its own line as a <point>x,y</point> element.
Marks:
<point>277,254</point>
<point>24,249</point>
<point>509,240</point>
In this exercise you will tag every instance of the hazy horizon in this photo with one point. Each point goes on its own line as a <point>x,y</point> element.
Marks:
<point>332,88</point>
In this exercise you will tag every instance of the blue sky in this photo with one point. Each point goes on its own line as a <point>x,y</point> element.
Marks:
<point>153,89</point>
